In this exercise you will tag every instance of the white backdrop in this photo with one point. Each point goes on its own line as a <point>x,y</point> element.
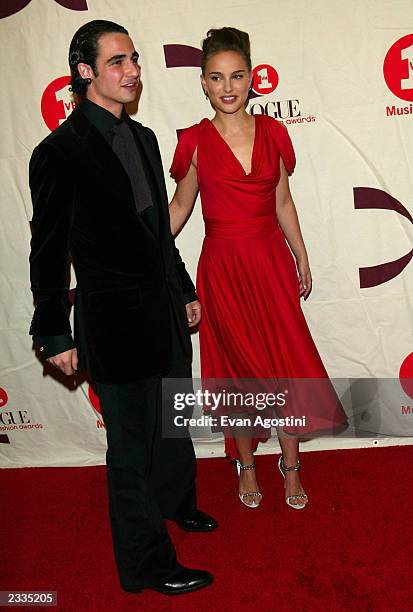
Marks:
<point>351,125</point>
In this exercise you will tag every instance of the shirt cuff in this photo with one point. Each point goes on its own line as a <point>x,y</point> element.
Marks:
<point>190,297</point>
<point>49,346</point>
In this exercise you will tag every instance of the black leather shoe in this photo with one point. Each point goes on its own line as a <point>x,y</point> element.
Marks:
<point>200,521</point>
<point>184,581</point>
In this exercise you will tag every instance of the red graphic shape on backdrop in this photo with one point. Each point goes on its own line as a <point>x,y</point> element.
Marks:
<point>182,56</point>
<point>10,7</point>
<point>57,102</point>
<point>265,79</point>
<point>74,5</point>
<point>94,400</point>
<point>370,198</point>
<point>398,68</point>
<point>3,398</point>
<point>406,375</point>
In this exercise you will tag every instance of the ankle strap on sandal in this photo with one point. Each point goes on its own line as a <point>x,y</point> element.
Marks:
<point>251,466</point>
<point>293,468</point>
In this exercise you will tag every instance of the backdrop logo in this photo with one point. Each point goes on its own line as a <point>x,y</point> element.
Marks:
<point>398,74</point>
<point>406,375</point>
<point>57,102</point>
<point>3,398</point>
<point>367,198</point>
<point>406,381</point>
<point>3,401</point>
<point>94,400</point>
<point>13,419</point>
<point>265,81</point>
<point>10,7</point>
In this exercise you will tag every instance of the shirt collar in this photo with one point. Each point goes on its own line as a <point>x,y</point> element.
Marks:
<point>102,119</point>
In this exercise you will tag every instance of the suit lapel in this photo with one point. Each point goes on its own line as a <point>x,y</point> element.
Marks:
<point>101,156</point>
<point>149,153</point>
<point>160,199</point>
<point>110,169</point>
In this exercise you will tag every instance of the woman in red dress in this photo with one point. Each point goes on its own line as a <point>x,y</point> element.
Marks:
<point>248,281</point>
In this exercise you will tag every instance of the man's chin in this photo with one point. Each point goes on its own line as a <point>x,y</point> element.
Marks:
<point>129,100</point>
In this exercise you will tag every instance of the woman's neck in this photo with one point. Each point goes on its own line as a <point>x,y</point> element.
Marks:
<point>232,122</point>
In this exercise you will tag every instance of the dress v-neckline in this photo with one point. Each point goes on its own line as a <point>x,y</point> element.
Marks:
<point>246,174</point>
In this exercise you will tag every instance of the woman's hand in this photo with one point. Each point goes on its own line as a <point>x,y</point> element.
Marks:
<point>288,220</point>
<point>304,277</point>
<point>193,313</point>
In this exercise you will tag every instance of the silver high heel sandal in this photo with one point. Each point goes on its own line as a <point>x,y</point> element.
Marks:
<point>254,503</point>
<point>288,500</point>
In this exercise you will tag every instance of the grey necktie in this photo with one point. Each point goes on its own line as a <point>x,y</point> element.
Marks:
<point>126,149</point>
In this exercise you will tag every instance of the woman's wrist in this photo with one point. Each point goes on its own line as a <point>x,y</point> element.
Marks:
<point>302,258</point>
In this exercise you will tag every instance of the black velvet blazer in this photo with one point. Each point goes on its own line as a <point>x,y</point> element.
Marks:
<point>128,279</point>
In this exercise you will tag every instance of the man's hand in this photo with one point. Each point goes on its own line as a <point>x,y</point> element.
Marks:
<point>193,312</point>
<point>66,362</point>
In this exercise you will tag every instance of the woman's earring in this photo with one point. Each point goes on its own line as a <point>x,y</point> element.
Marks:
<point>206,94</point>
<point>88,80</point>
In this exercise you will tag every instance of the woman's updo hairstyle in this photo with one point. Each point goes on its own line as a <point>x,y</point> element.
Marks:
<point>226,39</point>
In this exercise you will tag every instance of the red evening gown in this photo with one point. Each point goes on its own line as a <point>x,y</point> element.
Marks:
<point>252,324</point>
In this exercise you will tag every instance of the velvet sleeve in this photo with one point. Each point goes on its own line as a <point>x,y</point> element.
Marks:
<point>284,144</point>
<point>184,151</point>
<point>52,193</point>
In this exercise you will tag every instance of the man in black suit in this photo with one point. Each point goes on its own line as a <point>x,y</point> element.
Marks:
<point>99,200</point>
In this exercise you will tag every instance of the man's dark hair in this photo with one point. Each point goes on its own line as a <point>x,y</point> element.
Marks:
<point>84,49</point>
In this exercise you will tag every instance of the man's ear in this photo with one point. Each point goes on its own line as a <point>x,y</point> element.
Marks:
<point>85,70</point>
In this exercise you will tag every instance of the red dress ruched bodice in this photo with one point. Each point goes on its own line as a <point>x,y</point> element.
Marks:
<point>252,324</point>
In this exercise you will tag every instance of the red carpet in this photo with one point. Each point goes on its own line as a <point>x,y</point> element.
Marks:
<point>351,549</point>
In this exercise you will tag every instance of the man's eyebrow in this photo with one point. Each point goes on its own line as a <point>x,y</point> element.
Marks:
<point>115,58</point>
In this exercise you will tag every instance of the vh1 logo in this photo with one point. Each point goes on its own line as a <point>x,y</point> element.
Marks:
<point>57,102</point>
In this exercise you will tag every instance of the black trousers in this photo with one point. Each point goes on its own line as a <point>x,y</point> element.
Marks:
<point>150,477</point>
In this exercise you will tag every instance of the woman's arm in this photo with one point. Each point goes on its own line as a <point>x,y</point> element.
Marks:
<point>288,220</point>
<point>183,201</point>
